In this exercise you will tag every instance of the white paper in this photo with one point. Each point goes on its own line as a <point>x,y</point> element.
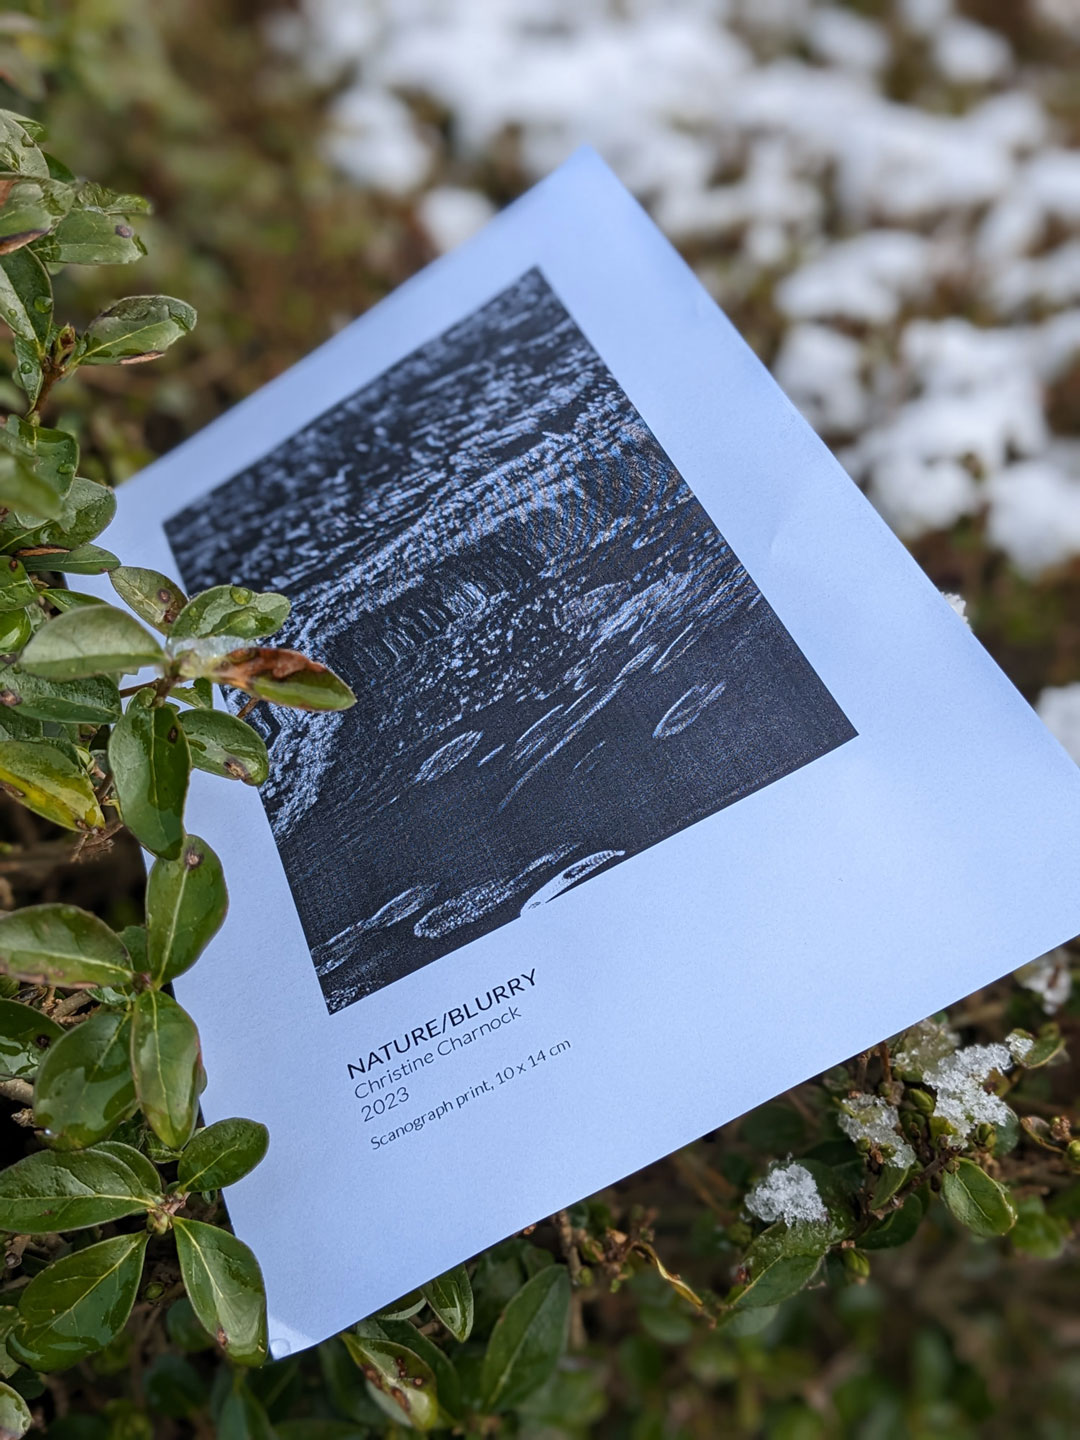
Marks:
<point>572,399</point>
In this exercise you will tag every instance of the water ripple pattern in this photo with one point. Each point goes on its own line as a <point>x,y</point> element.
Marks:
<point>559,660</point>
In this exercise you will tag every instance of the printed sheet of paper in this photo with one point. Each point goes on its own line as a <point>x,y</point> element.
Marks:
<point>671,781</point>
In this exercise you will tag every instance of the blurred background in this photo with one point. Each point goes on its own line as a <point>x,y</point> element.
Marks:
<point>884,195</point>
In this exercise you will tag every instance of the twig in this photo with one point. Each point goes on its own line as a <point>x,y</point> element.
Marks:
<point>246,710</point>
<point>17,1090</point>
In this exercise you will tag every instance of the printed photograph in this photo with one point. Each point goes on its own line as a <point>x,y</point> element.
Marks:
<point>559,660</point>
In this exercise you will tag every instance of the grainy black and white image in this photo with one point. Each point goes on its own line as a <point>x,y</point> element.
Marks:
<point>559,660</point>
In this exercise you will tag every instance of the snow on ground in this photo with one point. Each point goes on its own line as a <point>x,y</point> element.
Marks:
<point>919,257</point>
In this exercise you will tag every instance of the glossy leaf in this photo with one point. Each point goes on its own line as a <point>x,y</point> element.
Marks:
<point>84,1088</point>
<point>93,700</point>
<point>53,455</point>
<point>153,596</point>
<point>83,560</point>
<point>29,374</point>
<point>282,676</point>
<point>404,1307</point>
<point>19,151</point>
<point>527,1340</point>
<point>22,490</point>
<point>30,206</point>
<point>52,1191</point>
<point>17,590</point>
<point>976,1200</point>
<point>61,945</point>
<point>26,298</point>
<point>15,1417</point>
<point>15,631</point>
<point>397,1376</point>
<point>224,1285</point>
<point>49,783</point>
<point>25,1036</point>
<point>148,754</point>
<point>87,509</point>
<point>231,610</point>
<point>143,1170</point>
<point>87,236</point>
<point>79,1303</point>
<point>165,1061</point>
<point>90,195</point>
<point>186,901</point>
<point>451,1298</point>
<point>781,1263</point>
<point>70,599</point>
<point>401,1332</point>
<point>224,745</point>
<point>897,1228</point>
<point>222,1154</point>
<point>93,640</point>
<point>140,327</point>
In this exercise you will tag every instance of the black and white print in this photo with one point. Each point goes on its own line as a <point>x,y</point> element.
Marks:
<point>558,658</point>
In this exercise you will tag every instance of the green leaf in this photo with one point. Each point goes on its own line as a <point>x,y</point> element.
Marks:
<point>25,1036</point>
<point>184,1330</point>
<point>90,195</point>
<point>18,149</point>
<point>186,901</point>
<point>1036,1232</point>
<point>781,1262</point>
<point>174,1387</point>
<point>61,945</point>
<point>242,1417</point>
<point>527,1340</point>
<point>231,610</point>
<point>403,1307</point>
<point>150,762</point>
<point>50,784</point>
<point>144,1173</point>
<point>51,1191</point>
<point>90,237</point>
<point>225,1287</point>
<point>15,1417</point>
<point>976,1200</point>
<point>399,1381</point>
<point>282,676</point>
<point>83,560</point>
<point>153,596</point>
<point>87,509</point>
<point>15,631</point>
<point>26,298</point>
<point>17,590</point>
<point>224,745</point>
<point>1049,1043</point>
<point>222,1154</point>
<point>94,700</point>
<point>165,1061</point>
<point>451,1297</point>
<point>890,1180</point>
<point>30,206</point>
<point>37,465</point>
<point>21,490</point>
<point>93,640</point>
<point>76,1305</point>
<point>400,1332</point>
<point>141,327</point>
<point>897,1228</point>
<point>85,1088</point>
<point>53,455</point>
<point>70,599</point>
